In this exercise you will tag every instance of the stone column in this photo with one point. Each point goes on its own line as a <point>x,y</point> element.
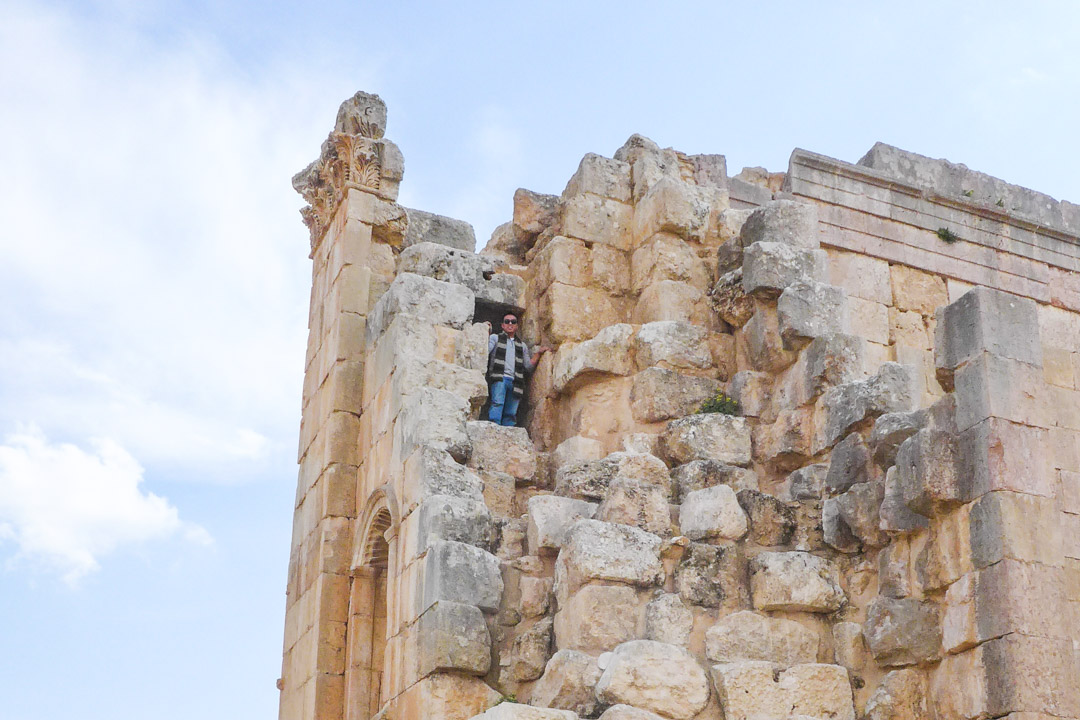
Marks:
<point>1007,640</point>
<point>352,218</point>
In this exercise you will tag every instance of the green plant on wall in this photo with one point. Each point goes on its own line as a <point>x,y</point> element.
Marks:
<point>947,235</point>
<point>720,403</point>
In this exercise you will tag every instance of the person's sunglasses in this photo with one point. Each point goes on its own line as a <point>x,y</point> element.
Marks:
<point>509,322</point>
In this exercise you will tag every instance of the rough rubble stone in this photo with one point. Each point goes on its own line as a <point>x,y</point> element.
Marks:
<point>535,595</point>
<point>673,344</point>
<point>752,390</point>
<point>709,436</point>
<point>901,695</point>
<point>659,394</point>
<point>806,483</point>
<point>772,522</point>
<point>668,620</point>
<point>927,472</point>
<point>607,353</point>
<point>550,516</point>
<point>731,302</point>
<point>453,636</point>
<point>597,618</point>
<point>425,227</point>
<point>501,449</point>
<point>531,651</point>
<point>634,502</point>
<point>891,430</point>
<point>770,267</point>
<point>442,517</point>
<point>655,676</point>
<point>456,572</point>
<point>597,550</point>
<point>987,320</point>
<point>628,712</point>
<point>432,301</point>
<point>600,176</point>
<point>835,531</point>
<point>701,474</point>
<point>782,221</point>
<point>808,310</point>
<point>533,214</point>
<point>504,247</point>
<point>848,464</point>
<point>902,631</point>
<point>712,513</point>
<point>758,689</point>
<point>436,419</point>
<point>568,684</point>
<point>577,449</point>
<point>674,207</point>
<point>665,257</point>
<point>746,635</point>
<point>764,347</point>
<point>590,479</point>
<point>795,581</point>
<point>849,647</point>
<point>896,516</point>
<point>860,509</point>
<point>598,219</point>
<point>713,576</point>
<point>429,471</point>
<point>892,389</point>
<point>515,711</point>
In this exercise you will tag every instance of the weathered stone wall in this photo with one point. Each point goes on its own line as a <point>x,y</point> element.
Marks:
<point>884,529</point>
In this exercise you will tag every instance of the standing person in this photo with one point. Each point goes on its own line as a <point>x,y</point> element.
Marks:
<point>508,361</point>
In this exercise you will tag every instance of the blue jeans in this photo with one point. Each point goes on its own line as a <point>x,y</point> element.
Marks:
<point>504,403</point>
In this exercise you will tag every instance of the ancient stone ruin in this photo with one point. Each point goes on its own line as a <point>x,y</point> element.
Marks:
<point>887,528</point>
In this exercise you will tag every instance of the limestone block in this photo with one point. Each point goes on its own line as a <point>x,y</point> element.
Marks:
<point>901,695</point>
<point>672,344</point>
<point>457,697</point>
<point>926,471</point>
<point>470,350</point>
<point>848,464</point>
<point>563,260</point>
<point>468,384</point>
<point>665,256</point>
<point>785,443</point>
<point>1000,455</point>
<point>627,712</point>
<point>535,595</point>
<point>456,572</point>
<point>869,320</point>
<point>902,631</point>
<point>640,443</point>
<point>597,550</point>
<point>958,629</point>
<point>442,517</point>
<point>730,300</point>
<point>611,269</point>
<point>751,390</point>
<point>908,329</point>
<point>890,431</point>
<point>607,352</point>
<point>1015,525</point>
<point>429,471</point>
<point>638,503</point>
<point>860,511</point>
<point>596,618</point>
<point>568,684</point>
<point>600,176</point>
<point>531,651</point>
<point>389,222</point>
<point>1025,598</point>
<point>782,221</point>
<point>835,531</point>
<point>453,636</point>
<point>946,555</point>
<point>756,689</point>
<point>986,320</point>
<point>730,223</point>
<point>550,516</point>
<point>574,313</point>
<point>533,213</point>
<point>648,163</point>
<point>671,300</point>
<point>896,516</point>
<point>504,247</point>
<point>1030,673</point>
<point>710,436</point>
<point>892,389</point>
<point>849,647</point>
<point>501,449</point>
<point>658,394</point>
<point>764,346</point>
<point>828,361</point>
<point>771,521</point>
<point>434,418</point>
<point>808,309</point>
<point>712,513</point>
<point>515,711</point>
<point>746,635</point>
<point>432,301</point>
<point>958,686</point>
<point>770,267</point>
<point>577,449</point>
<point>499,492</point>
<point>862,276</point>
<point>992,385</point>
<point>701,474</point>
<point>917,291</point>
<point>795,581</point>
<point>593,218</point>
<point>655,676</point>
<point>673,207</point>
<point>806,482</point>
<point>668,620</point>
<point>425,227</point>
<point>590,479</point>
<point>712,576</point>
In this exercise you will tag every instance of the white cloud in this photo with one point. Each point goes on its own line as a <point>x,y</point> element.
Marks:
<point>65,508</point>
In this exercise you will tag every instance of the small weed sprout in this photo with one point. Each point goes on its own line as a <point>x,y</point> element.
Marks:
<point>720,403</point>
<point>947,235</point>
<point>1000,203</point>
<point>969,193</point>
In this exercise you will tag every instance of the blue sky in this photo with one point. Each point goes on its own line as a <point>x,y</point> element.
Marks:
<point>154,273</point>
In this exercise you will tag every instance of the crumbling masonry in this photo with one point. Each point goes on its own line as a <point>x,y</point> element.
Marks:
<point>889,528</point>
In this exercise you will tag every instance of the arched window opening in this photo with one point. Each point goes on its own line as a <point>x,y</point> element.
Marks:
<point>366,632</point>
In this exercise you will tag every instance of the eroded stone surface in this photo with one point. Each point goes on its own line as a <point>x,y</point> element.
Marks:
<point>748,635</point>
<point>795,581</point>
<point>655,676</point>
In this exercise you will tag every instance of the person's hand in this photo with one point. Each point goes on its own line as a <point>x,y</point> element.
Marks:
<point>541,350</point>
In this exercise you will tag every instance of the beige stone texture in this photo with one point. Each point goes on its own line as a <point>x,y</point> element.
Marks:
<point>917,291</point>
<point>1059,367</point>
<point>748,635</point>
<point>672,300</point>
<point>597,618</point>
<point>573,313</point>
<point>655,676</point>
<point>568,685</point>
<point>593,218</point>
<point>757,689</point>
<point>674,207</point>
<point>638,503</point>
<point>863,277</point>
<point>869,320</point>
